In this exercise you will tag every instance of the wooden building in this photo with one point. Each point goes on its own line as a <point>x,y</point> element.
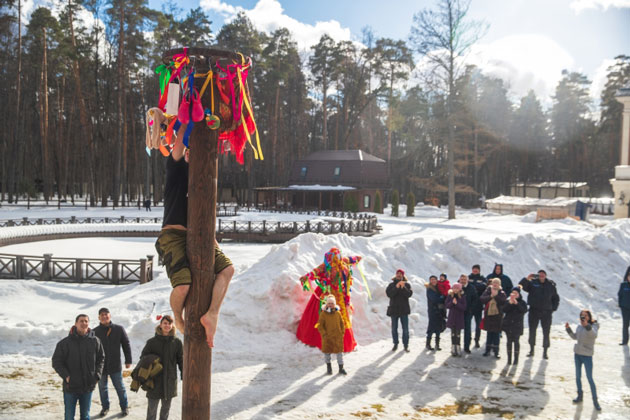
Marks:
<point>550,190</point>
<point>330,180</point>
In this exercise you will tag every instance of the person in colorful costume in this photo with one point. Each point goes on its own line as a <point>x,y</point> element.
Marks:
<point>333,276</point>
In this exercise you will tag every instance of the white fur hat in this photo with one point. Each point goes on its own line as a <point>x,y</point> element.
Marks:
<point>331,298</point>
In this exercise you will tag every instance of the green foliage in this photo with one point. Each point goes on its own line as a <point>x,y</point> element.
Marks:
<point>377,203</point>
<point>350,203</point>
<point>411,203</point>
<point>395,202</point>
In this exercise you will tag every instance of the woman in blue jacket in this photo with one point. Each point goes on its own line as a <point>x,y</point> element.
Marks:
<point>624,304</point>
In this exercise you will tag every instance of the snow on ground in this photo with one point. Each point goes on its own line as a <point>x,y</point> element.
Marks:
<point>284,379</point>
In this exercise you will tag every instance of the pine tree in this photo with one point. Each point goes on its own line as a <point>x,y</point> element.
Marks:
<point>395,202</point>
<point>377,203</point>
<point>411,203</point>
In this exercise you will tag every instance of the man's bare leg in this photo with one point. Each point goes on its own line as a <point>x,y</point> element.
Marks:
<point>178,298</point>
<point>210,319</point>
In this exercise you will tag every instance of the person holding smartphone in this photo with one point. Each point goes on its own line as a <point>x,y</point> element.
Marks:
<point>585,335</point>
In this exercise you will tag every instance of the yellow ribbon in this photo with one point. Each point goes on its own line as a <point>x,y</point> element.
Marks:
<point>251,114</point>
<point>365,282</point>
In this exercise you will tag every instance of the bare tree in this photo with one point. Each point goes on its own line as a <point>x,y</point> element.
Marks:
<point>443,37</point>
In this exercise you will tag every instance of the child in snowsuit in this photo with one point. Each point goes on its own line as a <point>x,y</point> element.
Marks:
<point>332,328</point>
<point>435,309</point>
<point>443,285</point>
<point>456,305</point>
<point>585,334</point>
<point>514,310</point>
<point>493,299</point>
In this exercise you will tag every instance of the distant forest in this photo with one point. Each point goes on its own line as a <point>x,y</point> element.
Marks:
<point>76,94</point>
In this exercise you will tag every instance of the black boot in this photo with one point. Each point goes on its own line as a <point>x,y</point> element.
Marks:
<point>407,348</point>
<point>596,404</point>
<point>342,371</point>
<point>477,343</point>
<point>437,344</point>
<point>531,351</point>
<point>329,368</point>
<point>545,354</point>
<point>578,399</point>
<point>515,361</point>
<point>395,347</point>
<point>428,346</point>
<point>509,353</point>
<point>496,352</point>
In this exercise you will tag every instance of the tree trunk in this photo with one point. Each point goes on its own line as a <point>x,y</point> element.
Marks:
<point>324,111</point>
<point>86,125</point>
<point>119,143</point>
<point>44,120</point>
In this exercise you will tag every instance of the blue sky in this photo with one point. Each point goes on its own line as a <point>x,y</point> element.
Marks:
<point>528,44</point>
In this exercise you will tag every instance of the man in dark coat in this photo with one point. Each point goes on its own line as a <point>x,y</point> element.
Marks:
<point>472,304</point>
<point>506,282</point>
<point>480,283</point>
<point>170,350</point>
<point>624,304</point>
<point>79,359</point>
<point>113,337</point>
<point>399,291</point>
<point>543,300</point>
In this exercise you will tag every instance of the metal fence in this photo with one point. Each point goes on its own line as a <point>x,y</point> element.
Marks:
<point>363,225</point>
<point>76,270</point>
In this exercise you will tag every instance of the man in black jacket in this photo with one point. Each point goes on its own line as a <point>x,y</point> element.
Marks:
<point>112,337</point>
<point>543,300</point>
<point>79,359</point>
<point>480,283</point>
<point>472,305</point>
<point>399,292</point>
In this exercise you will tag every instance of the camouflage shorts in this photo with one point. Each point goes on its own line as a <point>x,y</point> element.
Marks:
<point>171,247</point>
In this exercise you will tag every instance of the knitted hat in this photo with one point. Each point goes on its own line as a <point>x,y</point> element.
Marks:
<point>517,289</point>
<point>496,280</point>
<point>103,310</point>
<point>457,287</point>
<point>331,298</point>
<point>401,271</point>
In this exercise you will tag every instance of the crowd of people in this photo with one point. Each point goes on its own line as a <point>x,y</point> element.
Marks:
<point>498,307</point>
<point>87,357</point>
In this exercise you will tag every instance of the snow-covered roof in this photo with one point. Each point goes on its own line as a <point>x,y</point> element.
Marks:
<point>342,155</point>
<point>529,201</point>
<point>318,187</point>
<point>552,184</point>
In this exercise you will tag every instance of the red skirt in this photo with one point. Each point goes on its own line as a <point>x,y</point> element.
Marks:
<point>309,335</point>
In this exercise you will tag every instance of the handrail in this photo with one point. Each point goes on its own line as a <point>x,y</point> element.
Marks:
<point>76,270</point>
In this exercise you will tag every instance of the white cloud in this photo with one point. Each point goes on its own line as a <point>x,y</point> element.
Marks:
<point>220,7</point>
<point>581,5</point>
<point>268,15</point>
<point>524,62</point>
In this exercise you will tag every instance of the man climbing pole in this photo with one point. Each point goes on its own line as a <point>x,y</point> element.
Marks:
<point>214,113</point>
<point>171,244</point>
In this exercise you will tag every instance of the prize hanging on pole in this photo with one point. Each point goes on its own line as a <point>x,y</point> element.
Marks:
<point>234,117</point>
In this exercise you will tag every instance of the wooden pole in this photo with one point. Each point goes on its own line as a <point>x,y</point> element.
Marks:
<point>202,200</point>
